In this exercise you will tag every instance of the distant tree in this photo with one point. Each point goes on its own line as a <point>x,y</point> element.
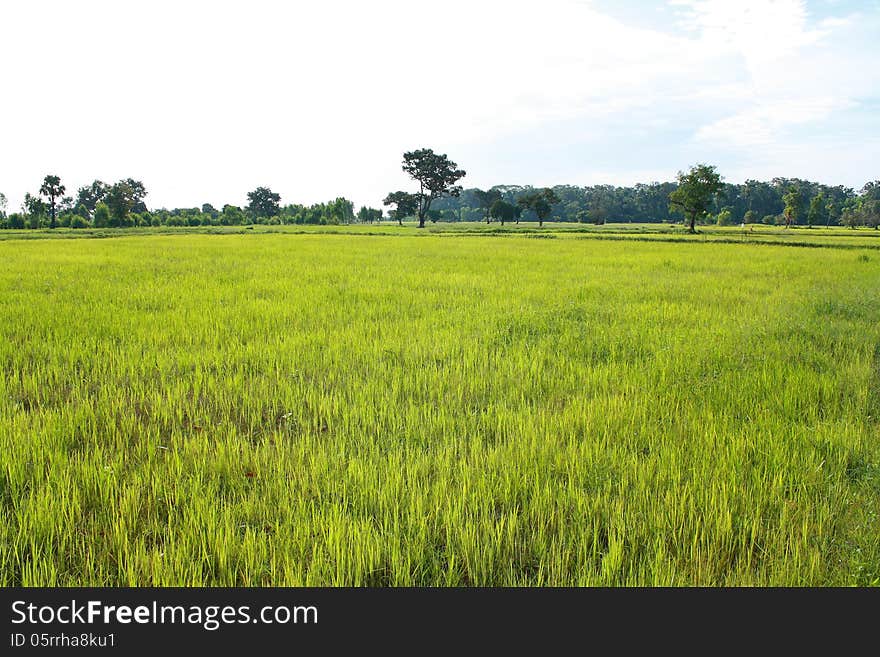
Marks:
<point>794,206</point>
<point>2,206</point>
<point>869,210</point>
<point>870,203</point>
<point>90,195</point>
<point>368,215</point>
<point>436,175</point>
<point>818,212</point>
<point>485,201</point>
<point>263,202</point>
<point>34,208</point>
<point>541,203</point>
<point>120,200</point>
<point>138,193</point>
<point>405,205</point>
<point>695,192</point>
<point>210,210</point>
<point>503,211</point>
<point>102,215</point>
<point>871,191</point>
<point>598,210</point>
<point>340,211</point>
<point>232,215</point>
<point>750,217</point>
<point>724,217</point>
<point>52,189</point>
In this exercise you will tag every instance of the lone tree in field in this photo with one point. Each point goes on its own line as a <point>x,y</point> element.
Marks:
<point>541,203</point>
<point>695,192</point>
<point>52,189</point>
<point>405,204</point>
<point>263,202</point>
<point>436,175</point>
<point>503,211</point>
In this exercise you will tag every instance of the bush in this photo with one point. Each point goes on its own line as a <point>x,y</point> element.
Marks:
<point>723,218</point>
<point>78,222</point>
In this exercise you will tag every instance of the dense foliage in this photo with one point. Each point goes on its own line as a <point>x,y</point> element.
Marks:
<point>780,201</point>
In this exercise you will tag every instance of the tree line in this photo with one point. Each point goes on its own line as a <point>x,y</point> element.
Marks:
<point>121,205</point>
<point>780,202</point>
<point>698,196</point>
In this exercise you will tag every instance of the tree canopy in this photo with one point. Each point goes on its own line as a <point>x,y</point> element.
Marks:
<point>436,175</point>
<point>541,203</point>
<point>695,192</point>
<point>52,189</point>
<point>405,205</point>
<point>263,202</point>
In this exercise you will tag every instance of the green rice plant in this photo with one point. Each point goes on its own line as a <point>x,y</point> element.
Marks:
<point>343,408</point>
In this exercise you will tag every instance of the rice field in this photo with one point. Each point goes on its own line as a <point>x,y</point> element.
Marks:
<point>268,408</point>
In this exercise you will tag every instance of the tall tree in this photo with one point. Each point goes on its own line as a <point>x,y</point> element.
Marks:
<point>90,195</point>
<point>368,215</point>
<point>102,215</point>
<point>2,205</point>
<point>405,205</point>
<point>120,200</point>
<point>485,201</point>
<point>263,202</point>
<point>34,208</point>
<point>138,193</point>
<point>794,205</point>
<point>436,175</point>
<point>52,189</point>
<point>541,203</point>
<point>695,192</point>
<point>870,204</point>
<point>818,212</point>
<point>340,211</point>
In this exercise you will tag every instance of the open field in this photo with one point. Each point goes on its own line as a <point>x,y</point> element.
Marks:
<point>273,408</point>
<point>820,237</point>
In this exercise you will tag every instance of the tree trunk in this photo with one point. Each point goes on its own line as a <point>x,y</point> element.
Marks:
<point>421,222</point>
<point>693,220</point>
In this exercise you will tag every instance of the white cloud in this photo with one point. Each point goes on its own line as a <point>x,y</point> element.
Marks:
<point>798,75</point>
<point>762,123</point>
<point>206,100</point>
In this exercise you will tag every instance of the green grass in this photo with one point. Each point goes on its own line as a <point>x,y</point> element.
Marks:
<point>318,409</point>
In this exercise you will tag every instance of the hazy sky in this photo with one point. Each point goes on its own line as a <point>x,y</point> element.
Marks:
<point>205,101</point>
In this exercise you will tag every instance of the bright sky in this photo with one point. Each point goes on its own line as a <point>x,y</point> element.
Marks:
<point>204,101</point>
